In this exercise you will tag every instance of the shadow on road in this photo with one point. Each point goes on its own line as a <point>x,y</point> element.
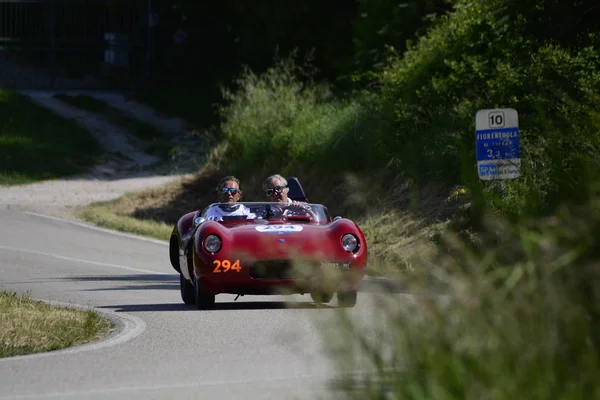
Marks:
<point>126,277</point>
<point>171,282</point>
<point>130,281</point>
<point>242,305</point>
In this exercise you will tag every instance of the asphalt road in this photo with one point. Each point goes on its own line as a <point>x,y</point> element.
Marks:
<point>256,347</point>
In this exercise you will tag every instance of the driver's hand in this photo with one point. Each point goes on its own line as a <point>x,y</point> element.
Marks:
<point>299,204</point>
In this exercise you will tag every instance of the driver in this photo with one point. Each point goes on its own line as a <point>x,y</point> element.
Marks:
<point>229,193</point>
<point>276,189</point>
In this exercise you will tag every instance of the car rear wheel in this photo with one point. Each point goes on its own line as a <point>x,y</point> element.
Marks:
<point>187,290</point>
<point>319,297</point>
<point>347,299</point>
<point>203,300</point>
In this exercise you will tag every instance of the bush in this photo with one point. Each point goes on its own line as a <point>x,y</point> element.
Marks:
<point>482,58</point>
<point>280,119</point>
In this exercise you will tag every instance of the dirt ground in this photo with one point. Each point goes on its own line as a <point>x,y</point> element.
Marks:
<point>124,169</point>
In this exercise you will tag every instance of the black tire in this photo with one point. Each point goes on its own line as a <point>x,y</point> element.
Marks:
<point>203,300</point>
<point>320,297</point>
<point>347,299</point>
<point>187,290</point>
<point>174,253</point>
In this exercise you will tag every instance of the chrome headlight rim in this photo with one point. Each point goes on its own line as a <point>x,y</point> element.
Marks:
<point>350,242</point>
<point>199,220</point>
<point>212,243</point>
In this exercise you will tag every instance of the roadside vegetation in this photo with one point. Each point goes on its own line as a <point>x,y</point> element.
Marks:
<point>36,144</point>
<point>518,269</point>
<point>28,326</point>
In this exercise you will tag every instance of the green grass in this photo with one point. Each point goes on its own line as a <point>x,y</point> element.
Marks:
<point>36,144</point>
<point>29,326</point>
<point>154,140</point>
<point>107,215</point>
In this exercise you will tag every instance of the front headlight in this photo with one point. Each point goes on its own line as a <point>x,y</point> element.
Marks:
<point>212,243</point>
<point>349,242</point>
<point>199,220</point>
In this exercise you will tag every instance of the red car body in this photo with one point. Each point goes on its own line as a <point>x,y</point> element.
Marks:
<point>268,254</point>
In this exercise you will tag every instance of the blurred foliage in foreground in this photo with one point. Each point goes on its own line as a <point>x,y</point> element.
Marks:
<point>515,318</point>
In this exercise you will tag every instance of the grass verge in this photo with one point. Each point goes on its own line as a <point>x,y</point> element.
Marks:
<point>112,216</point>
<point>36,144</point>
<point>144,212</point>
<point>29,326</point>
<point>154,141</point>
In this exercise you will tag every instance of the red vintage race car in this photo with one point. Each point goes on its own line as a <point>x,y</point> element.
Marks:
<point>271,248</point>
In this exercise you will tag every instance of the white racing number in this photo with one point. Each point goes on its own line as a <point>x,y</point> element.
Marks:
<point>278,228</point>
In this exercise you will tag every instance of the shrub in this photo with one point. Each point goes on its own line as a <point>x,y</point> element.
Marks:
<point>280,118</point>
<point>481,57</point>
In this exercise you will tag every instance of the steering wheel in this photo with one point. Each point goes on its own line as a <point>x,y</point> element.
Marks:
<point>304,208</point>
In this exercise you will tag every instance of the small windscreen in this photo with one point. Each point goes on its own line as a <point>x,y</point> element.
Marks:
<point>250,211</point>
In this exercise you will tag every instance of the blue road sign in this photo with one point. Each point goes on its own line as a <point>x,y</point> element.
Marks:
<point>497,144</point>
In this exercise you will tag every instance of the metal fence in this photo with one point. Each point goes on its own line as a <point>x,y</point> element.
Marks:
<point>77,38</point>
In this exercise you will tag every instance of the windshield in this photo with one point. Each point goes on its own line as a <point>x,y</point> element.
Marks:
<point>267,211</point>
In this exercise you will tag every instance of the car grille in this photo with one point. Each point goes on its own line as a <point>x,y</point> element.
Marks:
<point>277,269</point>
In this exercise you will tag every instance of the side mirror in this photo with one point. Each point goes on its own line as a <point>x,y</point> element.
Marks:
<point>338,217</point>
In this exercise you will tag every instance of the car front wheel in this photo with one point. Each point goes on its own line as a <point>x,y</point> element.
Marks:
<point>203,300</point>
<point>319,297</point>
<point>187,290</point>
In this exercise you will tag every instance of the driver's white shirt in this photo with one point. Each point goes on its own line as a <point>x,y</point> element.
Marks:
<point>217,213</point>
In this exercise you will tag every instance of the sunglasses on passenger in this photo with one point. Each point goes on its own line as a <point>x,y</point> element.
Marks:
<point>233,191</point>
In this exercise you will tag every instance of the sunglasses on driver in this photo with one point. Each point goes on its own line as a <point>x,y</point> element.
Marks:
<point>276,189</point>
<point>224,190</point>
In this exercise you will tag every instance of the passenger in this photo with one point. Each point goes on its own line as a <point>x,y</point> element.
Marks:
<point>229,193</point>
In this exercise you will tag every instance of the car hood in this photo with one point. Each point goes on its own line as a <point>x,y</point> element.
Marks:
<point>285,240</point>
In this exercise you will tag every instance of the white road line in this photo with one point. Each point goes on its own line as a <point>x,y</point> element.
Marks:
<point>129,328</point>
<point>161,387</point>
<point>96,228</point>
<point>41,253</point>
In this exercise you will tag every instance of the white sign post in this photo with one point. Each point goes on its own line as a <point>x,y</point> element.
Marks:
<point>497,144</point>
